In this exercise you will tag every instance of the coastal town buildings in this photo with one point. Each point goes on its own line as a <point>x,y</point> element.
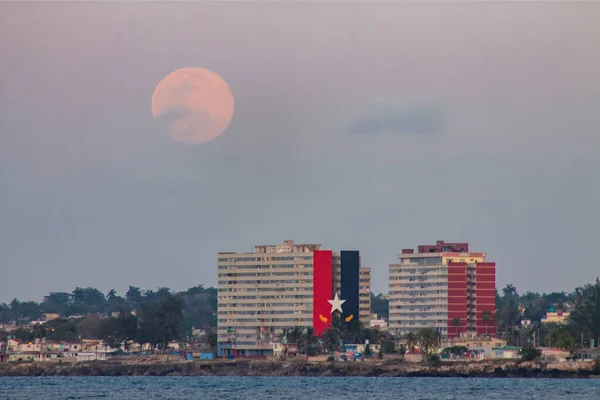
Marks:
<point>262,294</point>
<point>378,323</point>
<point>554,316</point>
<point>42,350</point>
<point>444,287</point>
<point>472,340</point>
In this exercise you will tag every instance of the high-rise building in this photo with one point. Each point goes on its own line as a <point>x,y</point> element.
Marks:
<point>278,287</point>
<point>364,298</point>
<point>445,287</point>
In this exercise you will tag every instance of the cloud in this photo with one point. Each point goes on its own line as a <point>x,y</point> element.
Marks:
<point>423,118</point>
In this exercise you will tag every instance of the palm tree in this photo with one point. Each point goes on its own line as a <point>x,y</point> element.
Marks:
<point>486,316</point>
<point>427,340</point>
<point>332,338</point>
<point>411,340</point>
<point>510,291</point>
<point>456,323</point>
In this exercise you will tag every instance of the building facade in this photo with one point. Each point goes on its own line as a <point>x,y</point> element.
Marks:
<point>554,316</point>
<point>444,287</point>
<point>364,299</point>
<point>279,287</point>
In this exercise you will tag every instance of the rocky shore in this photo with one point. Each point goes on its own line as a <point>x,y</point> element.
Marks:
<point>499,369</point>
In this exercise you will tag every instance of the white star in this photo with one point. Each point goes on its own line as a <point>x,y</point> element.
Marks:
<point>336,304</point>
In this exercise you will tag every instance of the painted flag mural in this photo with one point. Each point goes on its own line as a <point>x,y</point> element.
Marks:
<point>322,287</point>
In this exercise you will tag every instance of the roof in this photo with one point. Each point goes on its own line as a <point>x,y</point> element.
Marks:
<point>507,348</point>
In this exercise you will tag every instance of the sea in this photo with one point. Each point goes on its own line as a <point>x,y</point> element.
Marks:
<point>292,388</point>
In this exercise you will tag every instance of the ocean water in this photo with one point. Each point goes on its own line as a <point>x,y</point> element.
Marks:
<point>291,388</point>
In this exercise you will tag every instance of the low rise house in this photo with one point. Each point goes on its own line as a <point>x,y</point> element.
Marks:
<point>8,327</point>
<point>378,323</point>
<point>554,355</point>
<point>587,354</point>
<point>47,351</point>
<point>284,350</point>
<point>554,316</point>
<point>506,352</point>
<point>473,340</point>
<point>360,348</point>
<point>35,356</point>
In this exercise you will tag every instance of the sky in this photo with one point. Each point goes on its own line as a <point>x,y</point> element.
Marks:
<point>374,126</point>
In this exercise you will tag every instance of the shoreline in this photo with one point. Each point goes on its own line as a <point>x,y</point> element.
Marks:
<point>477,369</point>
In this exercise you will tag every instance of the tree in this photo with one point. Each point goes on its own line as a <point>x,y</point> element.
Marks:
<point>200,308</point>
<point>116,331</point>
<point>57,302</point>
<point>459,351</point>
<point>380,305</point>
<point>562,339</point>
<point>4,313</point>
<point>89,327</point>
<point>411,341</point>
<point>114,302</point>
<point>332,337</point>
<point>510,291</point>
<point>368,351</point>
<point>388,344</point>
<point>88,300</point>
<point>62,329</point>
<point>486,316</point>
<point>22,334</point>
<point>160,321</point>
<point>24,311</point>
<point>585,314</point>
<point>134,298</point>
<point>456,323</point>
<point>427,340</point>
<point>311,342</point>
<point>38,331</point>
<point>211,340</point>
<point>529,353</point>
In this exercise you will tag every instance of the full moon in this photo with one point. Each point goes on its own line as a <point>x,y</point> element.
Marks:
<point>196,103</point>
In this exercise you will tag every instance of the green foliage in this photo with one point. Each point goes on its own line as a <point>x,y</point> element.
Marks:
<point>330,359</point>
<point>62,329</point>
<point>456,323</point>
<point>368,351</point>
<point>160,321</point>
<point>411,341</point>
<point>87,300</point>
<point>115,331</point>
<point>380,306</point>
<point>530,353</point>
<point>427,340</point>
<point>89,327</point>
<point>388,344</point>
<point>560,337</point>
<point>199,307</point>
<point>585,313</point>
<point>455,350</point>
<point>584,305</point>
<point>22,334</point>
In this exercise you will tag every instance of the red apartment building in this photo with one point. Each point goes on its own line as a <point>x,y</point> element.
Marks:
<point>445,287</point>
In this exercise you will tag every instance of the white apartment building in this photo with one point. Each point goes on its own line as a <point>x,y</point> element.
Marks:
<point>262,293</point>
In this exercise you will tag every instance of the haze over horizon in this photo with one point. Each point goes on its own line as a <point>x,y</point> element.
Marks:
<point>369,126</point>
